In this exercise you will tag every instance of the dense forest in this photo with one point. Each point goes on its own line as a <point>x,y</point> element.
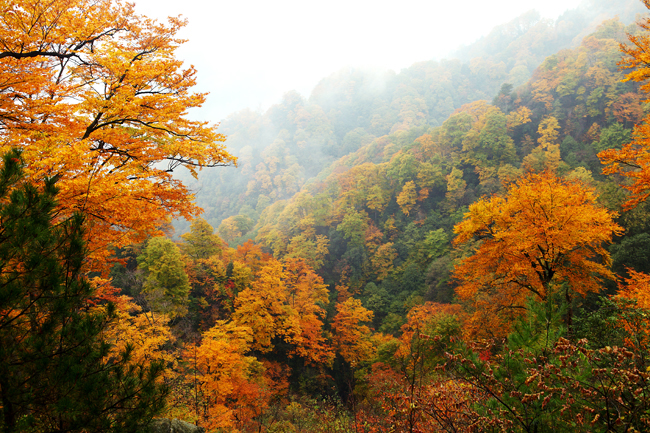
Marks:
<point>292,142</point>
<point>463,246</point>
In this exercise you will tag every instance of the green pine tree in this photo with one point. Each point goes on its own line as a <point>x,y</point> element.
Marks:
<point>55,375</point>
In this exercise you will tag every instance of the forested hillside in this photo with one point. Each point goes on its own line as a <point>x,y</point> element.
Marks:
<point>377,191</point>
<point>462,246</point>
<point>281,149</point>
<point>380,219</point>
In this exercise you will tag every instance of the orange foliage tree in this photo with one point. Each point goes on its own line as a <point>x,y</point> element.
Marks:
<point>229,387</point>
<point>284,303</point>
<point>636,287</point>
<point>351,336</point>
<point>634,295</point>
<point>544,231</point>
<point>633,159</point>
<point>92,93</point>
<point>307,295</point>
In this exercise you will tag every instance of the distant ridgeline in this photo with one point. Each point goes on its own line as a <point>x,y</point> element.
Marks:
<point>288,145</point>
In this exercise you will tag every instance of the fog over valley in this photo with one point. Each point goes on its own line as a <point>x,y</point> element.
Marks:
<point>355,104</point>
<point>250,53</point>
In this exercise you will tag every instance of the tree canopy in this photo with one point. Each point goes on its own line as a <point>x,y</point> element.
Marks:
<point>93,94</point>
<point>544,231</point>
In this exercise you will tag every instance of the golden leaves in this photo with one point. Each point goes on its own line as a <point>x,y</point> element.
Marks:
<point>351,336</point>
<point>545,230</point>
<point>93,94</point>
<point>407,198</point>
<point>284,302</point>
<point>226,377</point>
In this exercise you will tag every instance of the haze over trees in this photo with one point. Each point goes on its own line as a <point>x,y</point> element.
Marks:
<point>289,144</point>
<point>458,247</point>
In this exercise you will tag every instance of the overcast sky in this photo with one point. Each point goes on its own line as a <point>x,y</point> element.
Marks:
<point>250,52</point>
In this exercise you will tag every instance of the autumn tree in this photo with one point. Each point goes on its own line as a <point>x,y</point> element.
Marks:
<point>632,302</point>
<point>263,308</point>
<point>143,333</point>
<point>284,308</point>
<point>637,287</point>
<point>351,335</point>
<point>307,294</point>
<point>544,234</point>
<point>628,109</point>
<point>406,199</point>
<point>252,256</point>
<point>93,94</point>
<point>226,376</point>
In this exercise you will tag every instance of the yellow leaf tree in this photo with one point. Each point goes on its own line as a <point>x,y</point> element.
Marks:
<point>226,376</point>
<point>407,198</point>
<point>284,304</point>
<point>544,231</point>
<point>145,334</point>
<point>351,336</point>
<point>264,308</point>
<point>92,93</point>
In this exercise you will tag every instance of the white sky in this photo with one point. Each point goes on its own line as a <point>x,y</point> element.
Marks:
<point>250,52</point>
